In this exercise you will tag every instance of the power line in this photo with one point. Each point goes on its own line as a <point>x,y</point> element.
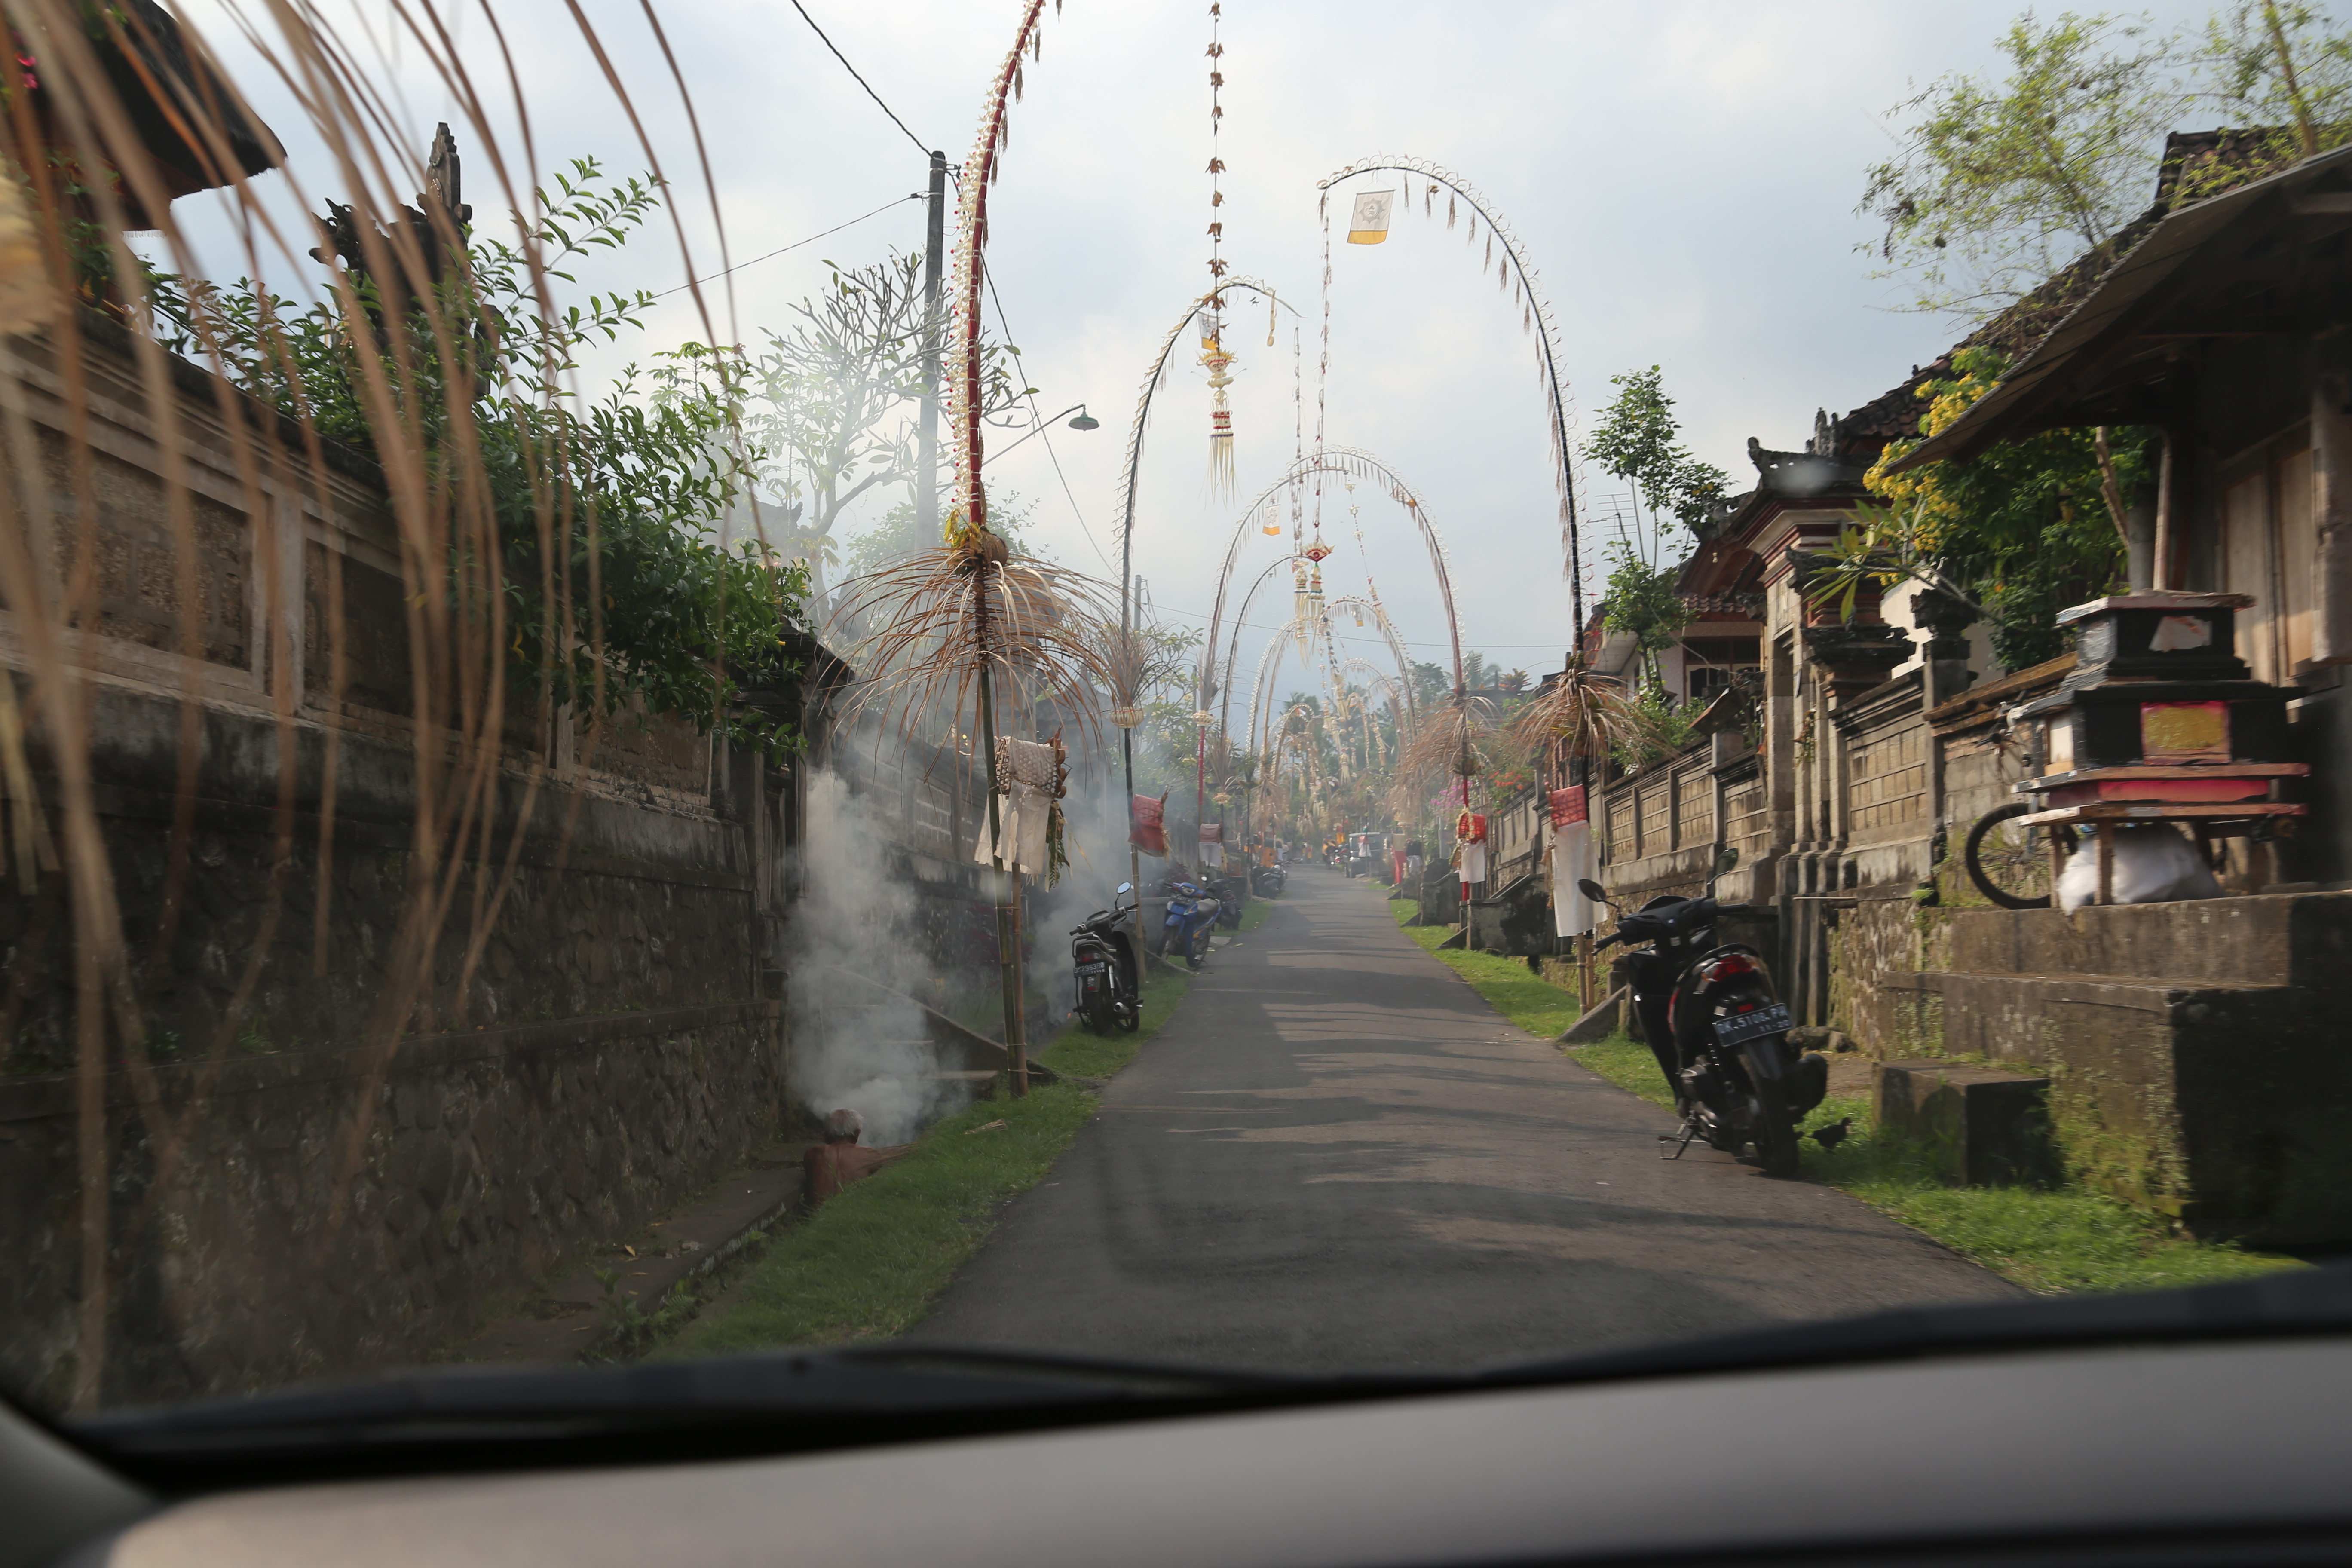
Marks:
<point>1038,423</point>
<point>861,81</point>
<point>795,245</point>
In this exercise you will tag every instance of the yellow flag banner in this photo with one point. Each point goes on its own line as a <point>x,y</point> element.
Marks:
<point>1369,225</point>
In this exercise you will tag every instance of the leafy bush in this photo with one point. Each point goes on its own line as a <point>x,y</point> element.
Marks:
<point>618,590</point>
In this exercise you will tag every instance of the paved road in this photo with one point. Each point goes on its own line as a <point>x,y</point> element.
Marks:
<point>1337,1155</point>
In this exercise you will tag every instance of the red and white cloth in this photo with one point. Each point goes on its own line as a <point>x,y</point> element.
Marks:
<point>1470,842</point>
<point>1571,861</point>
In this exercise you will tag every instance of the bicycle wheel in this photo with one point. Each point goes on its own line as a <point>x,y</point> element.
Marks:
<point>2010,863</point>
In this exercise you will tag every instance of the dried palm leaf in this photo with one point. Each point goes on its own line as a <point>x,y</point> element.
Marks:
<point>1586,716</point>
<point>945,618</point>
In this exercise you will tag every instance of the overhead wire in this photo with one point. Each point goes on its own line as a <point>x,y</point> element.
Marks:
<point>861,81</point>
<point>1037,422</point>
<point>795,245</point>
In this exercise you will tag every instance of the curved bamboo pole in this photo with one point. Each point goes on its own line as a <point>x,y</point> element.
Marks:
<point>1538,319</point>
<point>1360,464</point>
<point>963,396</point>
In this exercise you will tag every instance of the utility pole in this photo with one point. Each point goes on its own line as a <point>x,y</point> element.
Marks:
<point>927,421</point>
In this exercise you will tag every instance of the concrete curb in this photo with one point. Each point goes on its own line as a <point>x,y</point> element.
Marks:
<point>1598,1023</point>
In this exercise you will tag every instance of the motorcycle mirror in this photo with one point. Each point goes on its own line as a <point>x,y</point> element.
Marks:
<point>1127,887</point>
<point>1726,860</point>
<point>1591,889</point>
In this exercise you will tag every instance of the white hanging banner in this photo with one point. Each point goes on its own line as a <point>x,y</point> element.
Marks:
<point>1571,861</point>
<point>1368,224</point>
<point>1025,813</point>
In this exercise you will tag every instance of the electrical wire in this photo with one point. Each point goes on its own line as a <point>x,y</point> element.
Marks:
<point>795,245</point>
<point>1037,422</point>
<point>861,81</point>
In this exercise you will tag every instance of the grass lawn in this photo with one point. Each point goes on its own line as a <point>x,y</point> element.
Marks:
<point>867,1264</point>
<point>2049,1240</point>
<point>1535,1005</point>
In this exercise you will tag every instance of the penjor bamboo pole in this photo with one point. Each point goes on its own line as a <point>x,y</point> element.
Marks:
<point>1006,893</point>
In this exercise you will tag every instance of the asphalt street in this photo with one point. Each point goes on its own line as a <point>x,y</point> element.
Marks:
<point>1336,1155</point>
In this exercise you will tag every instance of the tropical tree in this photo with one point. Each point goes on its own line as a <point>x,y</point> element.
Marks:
<point>2024,529</point>
<point>1998,183</point>
<point>615,589</point>
<point>2284,71</point>
<point>830,400</point>
<point>1637,441</point>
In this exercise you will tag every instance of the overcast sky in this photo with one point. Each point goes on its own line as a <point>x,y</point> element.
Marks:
<point>1682,176</point>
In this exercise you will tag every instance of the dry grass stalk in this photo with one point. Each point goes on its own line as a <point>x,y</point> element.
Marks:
<point>443,517</point>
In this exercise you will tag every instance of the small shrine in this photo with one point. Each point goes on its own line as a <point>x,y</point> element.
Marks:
<point>2161,721</point>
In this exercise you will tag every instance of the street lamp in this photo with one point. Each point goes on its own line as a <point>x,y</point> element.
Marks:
<point>1084,421</point>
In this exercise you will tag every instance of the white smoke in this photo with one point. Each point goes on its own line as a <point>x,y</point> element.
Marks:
<point>855,945</point>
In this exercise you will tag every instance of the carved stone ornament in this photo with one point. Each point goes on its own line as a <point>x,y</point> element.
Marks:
<point>1853,658</point>
<point>1946,620</point>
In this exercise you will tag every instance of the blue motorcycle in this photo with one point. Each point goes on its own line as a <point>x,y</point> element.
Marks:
<point>1192,916</point>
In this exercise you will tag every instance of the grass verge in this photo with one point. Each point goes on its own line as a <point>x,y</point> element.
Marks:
<point>867,1265</point>
<point>2050,1240</point>
<point>1080,1052</point>
<point>1535,1005</point>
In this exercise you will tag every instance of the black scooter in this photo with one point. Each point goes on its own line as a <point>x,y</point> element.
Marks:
<point>1110,975</point>
<point>1229,893</point>
<point>1266,882</point>
<point>1720,1036</point>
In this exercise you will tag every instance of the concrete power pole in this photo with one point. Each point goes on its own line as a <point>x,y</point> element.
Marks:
<point>927,424</point>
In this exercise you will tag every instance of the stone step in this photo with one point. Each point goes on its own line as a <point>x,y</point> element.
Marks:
<point>1976,1126</point>
<point>2251,940</point>
<point>2015,1016</point>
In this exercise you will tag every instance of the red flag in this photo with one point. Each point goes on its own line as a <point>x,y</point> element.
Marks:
<point>1148,830</point>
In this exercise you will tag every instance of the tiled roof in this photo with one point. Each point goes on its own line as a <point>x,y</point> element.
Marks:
<point>2208,161</point>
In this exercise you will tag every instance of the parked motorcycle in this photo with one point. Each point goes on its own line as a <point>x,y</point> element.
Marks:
<point>1720,1036</point>
<point>1231,895</point>
<point>1109,978</point>
<point>1266,882</point>
<point>1192,915</point>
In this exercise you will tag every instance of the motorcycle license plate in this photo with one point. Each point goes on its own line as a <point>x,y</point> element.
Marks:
<point>1094,969</point>
<point>1772,1019</point>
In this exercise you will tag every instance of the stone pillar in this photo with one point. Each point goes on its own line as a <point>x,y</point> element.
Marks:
<point>1947,621</point>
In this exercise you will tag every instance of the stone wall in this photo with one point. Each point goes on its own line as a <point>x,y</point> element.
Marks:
<point>2194,1048</point>
<point>329,1210</point>
<point>361,1082</point>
